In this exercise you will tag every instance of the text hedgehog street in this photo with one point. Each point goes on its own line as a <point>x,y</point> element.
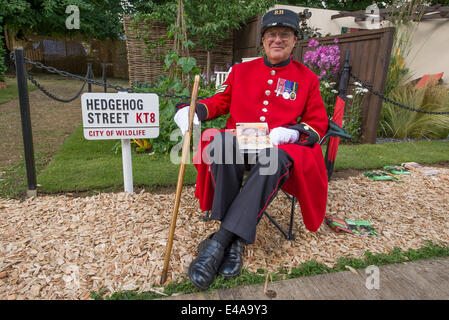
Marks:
<point>120,115</point>
<point>106,118</point>
<point>114,104</point>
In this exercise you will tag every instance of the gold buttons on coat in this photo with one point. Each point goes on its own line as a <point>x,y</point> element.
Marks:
<point>265,103</point>
<point>270,81</point>
<point>264,109</point>
<point>273,72</point>
<point>267,92</point>
<point>262,118</point>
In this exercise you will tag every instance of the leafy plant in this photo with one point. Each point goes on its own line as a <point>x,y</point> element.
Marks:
<point>100,19</point>
<point>400,123</point>
<point>142,145</point>
<point>402,15</point>
<point>2,54</point>
<point>398,73</point>
<point>165,84</point>
<point>208,21</point>
<point>328,94</point>
<point>352,117</point>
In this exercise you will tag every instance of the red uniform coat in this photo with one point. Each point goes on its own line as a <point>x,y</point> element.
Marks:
<point>257,92</point>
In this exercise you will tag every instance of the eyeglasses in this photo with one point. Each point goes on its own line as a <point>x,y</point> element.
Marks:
<point>274,35</point>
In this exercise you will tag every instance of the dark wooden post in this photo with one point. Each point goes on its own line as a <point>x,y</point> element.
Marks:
<point>25,116</point>
<point>104,76</point>
<point>344,79</point>
<point>342,89</point>
<point>89,75</point>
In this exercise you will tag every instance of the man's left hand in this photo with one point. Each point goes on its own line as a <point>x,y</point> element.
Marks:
<point>281,135</point>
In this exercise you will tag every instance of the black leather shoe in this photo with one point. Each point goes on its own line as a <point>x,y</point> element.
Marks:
<point>232,260</point>
<point>204,268</point>
<point>203,243</point>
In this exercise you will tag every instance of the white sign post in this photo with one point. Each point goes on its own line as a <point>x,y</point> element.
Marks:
<point>121,116</point>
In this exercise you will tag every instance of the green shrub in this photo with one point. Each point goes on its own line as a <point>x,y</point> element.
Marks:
<point>2,54</point>
<point>163,143</point>
<point>352,118</point>
<point>400,123</point>
<point>398,73</point>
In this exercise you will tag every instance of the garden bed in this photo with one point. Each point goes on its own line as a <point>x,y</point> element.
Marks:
<point>61,247</point>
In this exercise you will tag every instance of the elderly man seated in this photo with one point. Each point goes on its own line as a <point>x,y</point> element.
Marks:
<point>283,93</point>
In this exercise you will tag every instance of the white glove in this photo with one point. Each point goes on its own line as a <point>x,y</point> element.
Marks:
<point>182,119</point>
<point>281,135</point>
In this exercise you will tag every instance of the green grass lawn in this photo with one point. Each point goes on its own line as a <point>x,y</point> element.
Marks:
<point>371,156</point>
<point>11,92</point>
<point>83,165</point>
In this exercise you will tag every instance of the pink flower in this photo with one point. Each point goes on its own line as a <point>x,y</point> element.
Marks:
<point>308,56</point>
<point>322,59</point>
<point>313,43</point>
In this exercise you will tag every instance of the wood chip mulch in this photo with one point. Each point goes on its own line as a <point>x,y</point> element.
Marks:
<point>61,247</point>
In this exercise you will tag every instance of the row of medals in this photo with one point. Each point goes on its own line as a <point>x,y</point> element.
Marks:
<point>287,95</point>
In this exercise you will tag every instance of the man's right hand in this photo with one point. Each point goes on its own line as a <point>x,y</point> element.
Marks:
<point>182,119</point>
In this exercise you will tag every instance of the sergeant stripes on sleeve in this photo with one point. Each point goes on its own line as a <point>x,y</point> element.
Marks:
<point>221,88</point>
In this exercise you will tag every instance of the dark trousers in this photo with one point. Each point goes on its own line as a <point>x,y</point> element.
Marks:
<point>238,207</point>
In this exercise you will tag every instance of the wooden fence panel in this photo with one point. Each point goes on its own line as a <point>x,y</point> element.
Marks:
<point>73,54</point>
<point>247,40</point>
<point>369,60</point>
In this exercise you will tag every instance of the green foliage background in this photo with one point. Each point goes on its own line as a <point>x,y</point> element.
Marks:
<point>209,20</point>
<point>99,19</point>
<point>2,54</point>
<point>163,143</point>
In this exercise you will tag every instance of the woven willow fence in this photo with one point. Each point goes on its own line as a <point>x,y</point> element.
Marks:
<point>145,65</point>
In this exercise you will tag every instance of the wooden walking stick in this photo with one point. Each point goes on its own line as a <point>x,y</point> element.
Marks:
<point>182,169</point>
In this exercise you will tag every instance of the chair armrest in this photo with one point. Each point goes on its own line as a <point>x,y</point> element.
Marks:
<point>335,130</point>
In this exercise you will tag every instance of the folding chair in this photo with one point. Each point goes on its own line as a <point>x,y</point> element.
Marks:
<point>334,131</point>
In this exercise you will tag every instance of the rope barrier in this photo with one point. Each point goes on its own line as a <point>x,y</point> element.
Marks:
<point>50,95</point>
<point>40,65</point>
<point>377,93</point>
<point>138,90</point>
<point>328,76</point>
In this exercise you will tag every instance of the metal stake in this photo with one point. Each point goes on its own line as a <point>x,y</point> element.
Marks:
<point>89,76</point>
<point>25,116</point>
<point>104,77</point>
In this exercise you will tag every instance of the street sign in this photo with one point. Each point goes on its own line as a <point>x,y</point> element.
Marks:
<point>120,115</point>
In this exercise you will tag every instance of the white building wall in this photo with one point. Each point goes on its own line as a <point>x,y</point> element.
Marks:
<point>429,52</point>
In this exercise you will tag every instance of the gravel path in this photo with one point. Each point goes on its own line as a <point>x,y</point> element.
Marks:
<point>61,247</point>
